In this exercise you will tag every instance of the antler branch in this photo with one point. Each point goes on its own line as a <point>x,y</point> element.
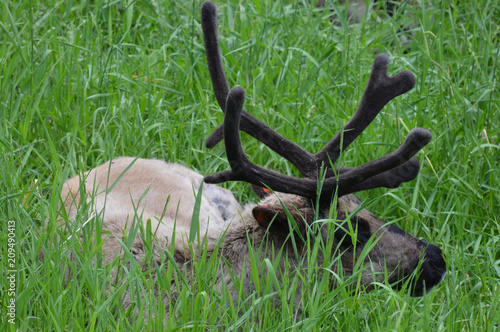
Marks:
<point>380,89</point>
<point>244,170</point>
<point>249,124</point>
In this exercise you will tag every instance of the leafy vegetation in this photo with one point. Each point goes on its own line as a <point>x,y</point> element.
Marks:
<point>82,82</point>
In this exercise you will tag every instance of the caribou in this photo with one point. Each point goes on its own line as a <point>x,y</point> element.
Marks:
<point>292,211</point>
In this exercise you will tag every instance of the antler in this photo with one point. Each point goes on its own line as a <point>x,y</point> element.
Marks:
<point>250,125</point>
<point>389,171</point>
<point>370,175</point>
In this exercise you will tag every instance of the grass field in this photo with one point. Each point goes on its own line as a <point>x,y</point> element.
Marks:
<point>82,82</point>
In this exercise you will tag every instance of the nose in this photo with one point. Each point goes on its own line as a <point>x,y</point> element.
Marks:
<point>432,271</point>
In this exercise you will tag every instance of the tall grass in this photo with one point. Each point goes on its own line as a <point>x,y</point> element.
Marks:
<point>82,82</point>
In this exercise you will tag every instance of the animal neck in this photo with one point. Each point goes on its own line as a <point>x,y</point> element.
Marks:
<point>246,237</point>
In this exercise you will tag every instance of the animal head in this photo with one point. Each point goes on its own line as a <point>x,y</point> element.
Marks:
<point>350,229</point>
<point>324,195</point>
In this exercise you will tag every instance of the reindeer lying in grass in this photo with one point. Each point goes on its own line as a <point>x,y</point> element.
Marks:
<point>292,211</point>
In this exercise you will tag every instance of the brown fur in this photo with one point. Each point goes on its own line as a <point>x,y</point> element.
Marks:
<point>146,189</point>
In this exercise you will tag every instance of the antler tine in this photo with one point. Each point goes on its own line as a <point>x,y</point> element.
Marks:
<point>389,171</point>
<point>244,170</point>
<point>389,179</point>
<point>214,59</point>
<point>250,125</point>
<point>380,89</point>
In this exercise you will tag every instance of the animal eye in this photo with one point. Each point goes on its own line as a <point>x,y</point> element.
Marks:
<point>364,231</point>
<point>357,232</point>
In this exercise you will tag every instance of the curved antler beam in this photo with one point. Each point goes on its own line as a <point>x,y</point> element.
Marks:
<point>249,124</point>
<point>244,170</point>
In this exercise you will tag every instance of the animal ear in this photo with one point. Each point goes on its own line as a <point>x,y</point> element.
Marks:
<point>271,217</point>
<point>281,222</point>
<point>261,191</point>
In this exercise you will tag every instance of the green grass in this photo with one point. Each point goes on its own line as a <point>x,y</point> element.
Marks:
<point>82,82</point>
